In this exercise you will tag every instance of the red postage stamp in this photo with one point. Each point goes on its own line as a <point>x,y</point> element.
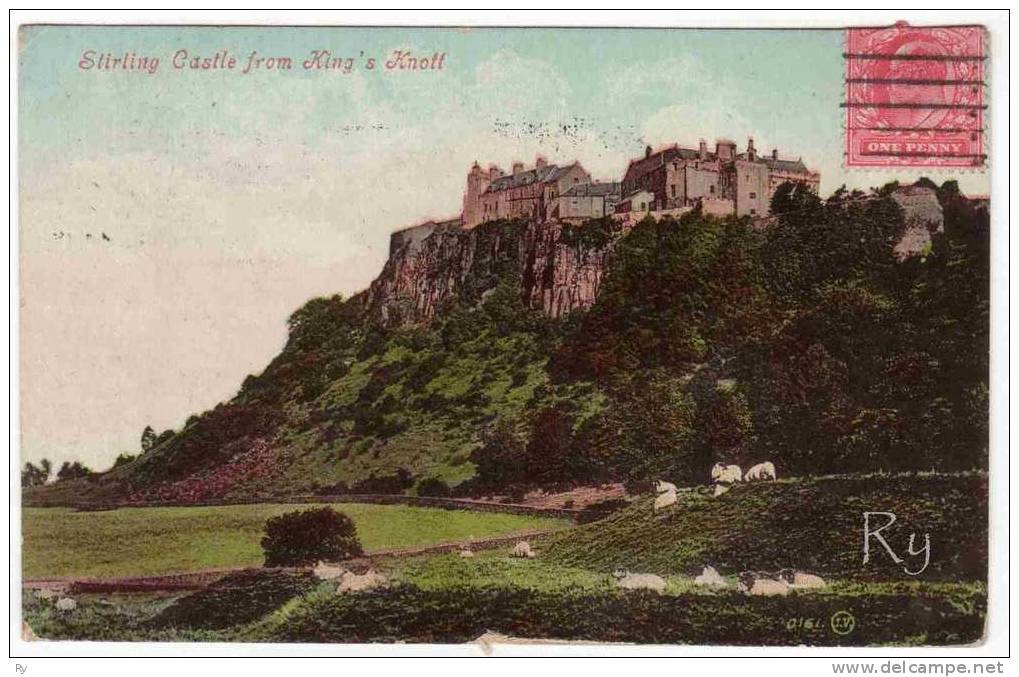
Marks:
<point>915,96</point>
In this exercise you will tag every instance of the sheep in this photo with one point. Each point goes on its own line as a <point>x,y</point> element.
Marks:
<point>753,583</point>
<point>628,581</point>
<point>726,474</point>
<point>662,487</point>
<point>761,472</point>
<point>327,572</point>
<point>720,489</point>
<point>522,549</point>
<point>665,500</point>
<point>351,582</point>
<point>465,553</point>
<point>801,579</point>
<point>66,604</point>
<point>710,577</point>
<point>45,593</point>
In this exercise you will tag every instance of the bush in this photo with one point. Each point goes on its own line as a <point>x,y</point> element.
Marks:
<point>433,486</point>
<point>304,537</point>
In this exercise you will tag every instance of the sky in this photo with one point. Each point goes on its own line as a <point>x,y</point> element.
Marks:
<point>170,222</point>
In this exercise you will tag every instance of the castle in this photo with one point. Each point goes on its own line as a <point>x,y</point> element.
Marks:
<point>671,180</point>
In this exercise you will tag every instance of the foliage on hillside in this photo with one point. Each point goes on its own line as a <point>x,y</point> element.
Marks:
<point>804,342</point>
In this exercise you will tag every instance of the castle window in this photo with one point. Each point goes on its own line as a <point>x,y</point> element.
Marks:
<point>711,189</point>
<point>753,196</point>
<point>672,189</point>
<point>752,212</point>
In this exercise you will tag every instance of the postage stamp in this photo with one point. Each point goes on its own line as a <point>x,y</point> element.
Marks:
<point>915,96</point>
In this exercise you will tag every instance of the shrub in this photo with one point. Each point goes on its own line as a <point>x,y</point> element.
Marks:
<point>304,537</point>
<point>433,486</point>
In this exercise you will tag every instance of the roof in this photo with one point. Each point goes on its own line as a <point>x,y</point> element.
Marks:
<point>791,166</point>
<point>641,166</point>
<point>537,175</point>
<point>635,194</point>
<point>593,189</point>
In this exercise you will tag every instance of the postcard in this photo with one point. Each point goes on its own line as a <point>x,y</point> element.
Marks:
<point>440,335</point>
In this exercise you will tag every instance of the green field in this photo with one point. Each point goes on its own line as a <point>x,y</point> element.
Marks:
<point>150,541</point>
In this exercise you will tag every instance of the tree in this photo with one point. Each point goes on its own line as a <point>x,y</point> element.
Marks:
<point>33,476</point>
<point>123,459</point>
<point>148,438</point>
<point>73,471</point>
<point>304,537</point>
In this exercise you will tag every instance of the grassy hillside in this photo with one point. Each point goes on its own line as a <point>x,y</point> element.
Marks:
<point>807,344</point>
<point>814,524</point>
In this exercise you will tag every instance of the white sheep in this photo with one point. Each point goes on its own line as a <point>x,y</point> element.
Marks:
<point>465,553</point>
<point>522,549</point>
<point>628,581</point>
<point>66,604</point>
<point>45,593</point>
<point>726,474</point>
<point>665,500</point>
<point>327,572</point>
<point>351,582</point>
<point>710,577</point>
<point>801,579</point>
<point>753,583</point>
<point>661,487</point>
<point>720,489</point>
<point>761,472</point>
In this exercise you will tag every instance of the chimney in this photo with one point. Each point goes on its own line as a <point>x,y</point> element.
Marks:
<point>647,152</point>
<point>703,148</point>
<point>774,153</point>
<point>494,172</point>
<point>540,161</point>
<point>518,167</point>
<point>751,153</point>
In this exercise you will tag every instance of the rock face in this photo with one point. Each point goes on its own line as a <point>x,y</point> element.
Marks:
<point>435,264</point>
<point>922,216</point>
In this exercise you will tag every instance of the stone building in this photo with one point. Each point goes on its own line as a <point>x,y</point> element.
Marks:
<point>638,202</point>
<point>740,183</point>
<point>588,201</point>
<point>533,193</point>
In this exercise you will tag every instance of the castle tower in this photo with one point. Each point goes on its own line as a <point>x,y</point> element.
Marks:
<point>477,182</point>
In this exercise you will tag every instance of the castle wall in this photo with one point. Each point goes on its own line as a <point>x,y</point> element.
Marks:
<point>752,188</point>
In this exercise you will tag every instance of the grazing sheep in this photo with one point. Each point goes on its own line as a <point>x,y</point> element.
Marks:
<point>761,472</point>
<point>327,572</point>
<point>46,593</point>
<point>726,474</point>
<point>662,487</point>
<point>628,581</point>
<point>720,489</point>
<point>66,604</point>
<point>753,583</point>
<point>665,500</point>
<point>465,553</point>
<point>351,582</point>
<point>801,579</point>
<point>522,549</point>
<point>710,577</point>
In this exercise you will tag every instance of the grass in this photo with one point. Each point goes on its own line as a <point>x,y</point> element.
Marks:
<point>812,524</point>
<point>152,541</point>
<point>442,598</point>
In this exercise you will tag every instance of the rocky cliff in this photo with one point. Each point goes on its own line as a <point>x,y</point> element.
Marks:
<point>559,269</point>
